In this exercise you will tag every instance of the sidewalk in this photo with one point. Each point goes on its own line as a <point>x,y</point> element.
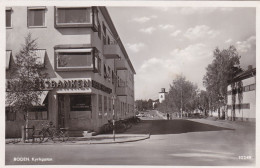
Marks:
<point>98,139</point>
<point>227,123</point>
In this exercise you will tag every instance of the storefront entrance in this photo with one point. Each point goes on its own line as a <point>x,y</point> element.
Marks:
<point>74,111</point>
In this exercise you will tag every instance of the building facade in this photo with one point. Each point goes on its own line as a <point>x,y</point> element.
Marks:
<point>162,95</point>
<point>86,62</point>
<point>241,102</point>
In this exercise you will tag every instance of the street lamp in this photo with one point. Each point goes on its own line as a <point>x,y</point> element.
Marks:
<point>114,124</point>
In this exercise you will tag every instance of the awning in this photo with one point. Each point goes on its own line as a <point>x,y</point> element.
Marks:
<point>40,54</point>
<point>41,97</point>
<point>79,50</point>
<point>8,58</point>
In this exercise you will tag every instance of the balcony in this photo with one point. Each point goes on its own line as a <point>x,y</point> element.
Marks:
<point>121,64</point>
<point>121,91</point>
<point>112,51</point>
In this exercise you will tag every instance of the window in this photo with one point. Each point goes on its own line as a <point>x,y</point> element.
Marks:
<point>74,59</point>
<point>104,28</point>
<point>36,17</point>
<point>39,113</point>
<point>105,104</point>
<point>100,103</point>
<point>95,19</point>
<point>104,40</point>
<point>108,40</point>
<point>109,104</point>
<point>10,114</point>
<point>8,21</point>
<point>252,87</point>
<point>105,71</point>
<point>80,103</point>
<point>239,106</point>
<point>246,88</point>
<point>74,17</point>
<point>99,30</point>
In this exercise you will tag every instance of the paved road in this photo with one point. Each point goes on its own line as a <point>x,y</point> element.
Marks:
<point>174,142</point>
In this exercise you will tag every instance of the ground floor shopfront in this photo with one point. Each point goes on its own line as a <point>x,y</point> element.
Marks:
<point>79,109</point>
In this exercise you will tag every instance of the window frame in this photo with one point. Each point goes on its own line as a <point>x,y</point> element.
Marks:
<point>90,24</point>
<point>80,68</point>
<point>37,113</point>
<point>10,115</point>
<point>11,23</point>
<point>34,9</point>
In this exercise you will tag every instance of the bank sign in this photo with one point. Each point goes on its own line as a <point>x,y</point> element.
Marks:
<point>65,84</point>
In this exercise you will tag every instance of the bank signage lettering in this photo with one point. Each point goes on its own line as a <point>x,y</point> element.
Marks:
<point>101,87</point>
<point>51,84</point>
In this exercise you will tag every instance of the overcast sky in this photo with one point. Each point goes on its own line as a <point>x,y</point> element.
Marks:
<point>164,42</point>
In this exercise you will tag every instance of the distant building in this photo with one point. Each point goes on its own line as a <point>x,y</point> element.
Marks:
<point>155,102</point>
<point>244,96</point>
<point>162,95</point>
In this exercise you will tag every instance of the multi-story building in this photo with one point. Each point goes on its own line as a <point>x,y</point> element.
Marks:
<point>241,102</point>
<point>85,59</point>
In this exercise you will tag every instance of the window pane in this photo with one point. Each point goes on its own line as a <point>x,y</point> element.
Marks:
<point>79,15</point>
<point>80,103</point>
<point>8,18</point>
<point>36,17</point>
<point>75,60</point>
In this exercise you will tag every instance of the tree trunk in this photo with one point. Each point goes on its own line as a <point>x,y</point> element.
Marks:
<point>26,125</point>
<point>219,113</point>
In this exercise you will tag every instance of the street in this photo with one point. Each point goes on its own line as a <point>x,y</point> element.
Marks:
<point>172,142</point>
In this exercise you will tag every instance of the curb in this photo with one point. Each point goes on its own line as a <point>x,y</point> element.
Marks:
<point>134,140</point>
<point>83,142</point>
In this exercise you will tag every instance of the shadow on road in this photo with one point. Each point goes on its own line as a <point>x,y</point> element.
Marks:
<point>157,127</point>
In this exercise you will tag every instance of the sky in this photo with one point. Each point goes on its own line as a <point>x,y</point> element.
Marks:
<point>164,42</point>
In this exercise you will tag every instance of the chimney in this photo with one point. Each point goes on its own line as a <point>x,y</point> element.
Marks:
<point>250,67</point>
<point>163,90</point>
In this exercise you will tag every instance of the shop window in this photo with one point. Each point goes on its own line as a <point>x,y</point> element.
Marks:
<point>74,59</point>
<point>38,113</point>
<point>80,103</point>
<point>36,17</point>
<point>8,20</point>
<point>10,114</point>
<point>67,17</point>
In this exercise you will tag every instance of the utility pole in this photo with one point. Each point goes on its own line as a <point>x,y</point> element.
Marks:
<point>181,99</point>
<point>114,124</point>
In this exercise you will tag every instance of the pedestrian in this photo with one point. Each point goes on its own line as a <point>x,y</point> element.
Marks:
<point>168,116</point>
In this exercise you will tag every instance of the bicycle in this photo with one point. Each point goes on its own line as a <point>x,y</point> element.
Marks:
<point>49,132</point>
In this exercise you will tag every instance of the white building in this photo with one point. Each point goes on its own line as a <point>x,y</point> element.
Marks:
<point>162,95</point>
<point>242,99</point>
